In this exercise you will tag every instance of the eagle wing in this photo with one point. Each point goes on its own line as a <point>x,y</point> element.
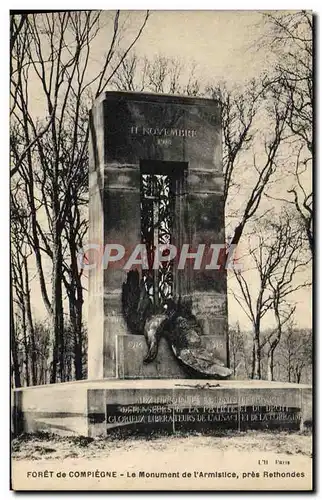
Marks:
<point>187,346</point>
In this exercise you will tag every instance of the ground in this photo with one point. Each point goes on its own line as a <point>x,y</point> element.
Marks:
<point>47,446</point>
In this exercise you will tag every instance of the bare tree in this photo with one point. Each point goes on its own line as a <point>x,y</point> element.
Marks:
<point>236,347</point>
<point>296,353</point>
<point>283,314</point>
<point>160,74</point>
<point>15,366</point>
<point>239,107</point>
<point>290,37</point>
<point>51,52</point>
<point>278,261</point>
<point>74,233</point>
<point>20,287</point>
<point>240,132</point>
<point>263,170</point>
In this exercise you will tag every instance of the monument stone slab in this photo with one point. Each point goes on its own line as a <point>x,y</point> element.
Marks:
<point>134,135</point>
<point>147,406</point>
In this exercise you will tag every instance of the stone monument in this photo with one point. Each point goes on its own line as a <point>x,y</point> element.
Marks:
<point>156,179</point>
<point>141,144</point>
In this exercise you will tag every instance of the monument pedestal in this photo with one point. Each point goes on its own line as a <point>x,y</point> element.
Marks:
<point>98,408</point>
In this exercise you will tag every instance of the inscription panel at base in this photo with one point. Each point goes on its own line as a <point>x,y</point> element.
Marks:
<point>206,410</point>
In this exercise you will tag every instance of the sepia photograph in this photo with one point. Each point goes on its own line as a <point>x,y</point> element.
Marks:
<point>161,250</point>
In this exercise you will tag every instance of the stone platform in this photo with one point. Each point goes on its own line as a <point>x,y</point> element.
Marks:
<point>96,408</point>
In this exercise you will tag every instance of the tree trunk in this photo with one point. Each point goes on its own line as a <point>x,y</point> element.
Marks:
<point>298,375</point>
<point>34,241</point>
<point>20,292</point>
<point>256,356</point>
<point>289,372</point>
<point>75,311</point>
<point>76,306</point>
<point>30,325</point>
<point>45,374</point>
<point>79,331</point>
<point>270,359</point>
<point>57,319</point>
<point>14,347</point>
<point>270,365</point>
<point>228,349</point>
<point>25,344</point>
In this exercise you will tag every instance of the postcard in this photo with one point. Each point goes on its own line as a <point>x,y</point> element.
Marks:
<point>161,250</point>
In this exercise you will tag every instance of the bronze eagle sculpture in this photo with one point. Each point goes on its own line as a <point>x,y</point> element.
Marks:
<point>174,321</point>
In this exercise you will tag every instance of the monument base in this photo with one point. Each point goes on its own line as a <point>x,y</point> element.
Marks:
<point>98,408</point>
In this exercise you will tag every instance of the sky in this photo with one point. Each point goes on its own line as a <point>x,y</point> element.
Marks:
<point>224,46</point>
<point>217,41</point>
<point>221,43</point>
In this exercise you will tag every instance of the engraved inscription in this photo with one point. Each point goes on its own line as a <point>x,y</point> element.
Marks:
<point>164,142</point>
<point>207,411</point>
<point>163,132</point>
<point>135,344</point>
